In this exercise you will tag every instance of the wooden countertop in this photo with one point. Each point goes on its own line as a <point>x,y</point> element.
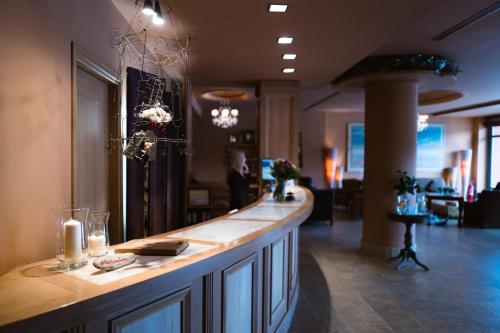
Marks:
<point>36,289</point>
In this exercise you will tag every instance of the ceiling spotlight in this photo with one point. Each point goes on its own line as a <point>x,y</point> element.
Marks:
<point>158,17</point>
<point>148,7</point>
<point>285,40</point>
<point>272,8</point>
<point>289,56</point>
<point>288,70</point>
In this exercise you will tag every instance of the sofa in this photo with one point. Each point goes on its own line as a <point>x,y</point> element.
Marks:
<point>485,212</point>
<point>323,201</point>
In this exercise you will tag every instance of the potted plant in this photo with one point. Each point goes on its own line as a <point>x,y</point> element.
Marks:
<point>283,170</point>
<point>406,187</point>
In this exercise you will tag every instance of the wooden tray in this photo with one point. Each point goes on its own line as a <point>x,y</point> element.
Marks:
<point>156,247</point>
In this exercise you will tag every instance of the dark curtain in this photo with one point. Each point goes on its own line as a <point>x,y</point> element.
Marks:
<point>153,200</point>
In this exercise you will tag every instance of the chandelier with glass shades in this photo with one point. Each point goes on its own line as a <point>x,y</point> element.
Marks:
<point>224,116</point>
<point>422,122</point>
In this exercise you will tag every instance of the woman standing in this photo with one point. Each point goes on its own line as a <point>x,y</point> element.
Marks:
<point>237,180</point>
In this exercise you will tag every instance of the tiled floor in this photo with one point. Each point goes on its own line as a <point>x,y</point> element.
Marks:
<point>344,291</point>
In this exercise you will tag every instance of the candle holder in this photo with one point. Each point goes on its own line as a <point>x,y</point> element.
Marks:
<point>98,234</point>
<point>71,244</point>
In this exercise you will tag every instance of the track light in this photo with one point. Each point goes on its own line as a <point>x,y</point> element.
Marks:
<point>158,17</point>
<point>148,7</point>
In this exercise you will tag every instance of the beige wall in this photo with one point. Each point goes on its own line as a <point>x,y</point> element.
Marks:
<point>209,141</point>
<point>336,136</point>
<point>458,136</point>
<point>35,114</point>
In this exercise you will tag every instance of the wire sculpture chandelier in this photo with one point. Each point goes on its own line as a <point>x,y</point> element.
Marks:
<point>142,47</point>
<point>225,116</point>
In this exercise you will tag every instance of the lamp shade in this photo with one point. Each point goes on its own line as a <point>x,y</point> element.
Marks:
<point>330,161</point>
<point>148,7</point>
<point>158,16</point>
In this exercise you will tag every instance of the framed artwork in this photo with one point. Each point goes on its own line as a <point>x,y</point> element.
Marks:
<point>355,147</point>
<point>234,138</point>
<point>248,136</point>
<point>430,148</point>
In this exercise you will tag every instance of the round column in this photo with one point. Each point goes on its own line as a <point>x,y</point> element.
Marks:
<point>390,145</point>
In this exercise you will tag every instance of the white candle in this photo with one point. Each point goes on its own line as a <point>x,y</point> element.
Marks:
<point>97,244</point>
<point>72,240</point>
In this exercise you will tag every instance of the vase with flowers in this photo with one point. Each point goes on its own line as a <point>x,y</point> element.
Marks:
<point>283,170</point>
<point>406,187</point>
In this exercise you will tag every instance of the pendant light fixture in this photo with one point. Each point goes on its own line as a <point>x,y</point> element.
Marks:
<point>148,8</point>
<point>158,16</point>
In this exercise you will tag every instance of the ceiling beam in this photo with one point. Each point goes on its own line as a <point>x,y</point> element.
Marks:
<point>467,108</point>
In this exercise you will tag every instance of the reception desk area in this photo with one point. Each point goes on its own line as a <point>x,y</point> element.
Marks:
<point>239,274</point>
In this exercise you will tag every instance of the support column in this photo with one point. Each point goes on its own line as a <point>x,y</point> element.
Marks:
<point>278,119</point>
<point>390,145</point>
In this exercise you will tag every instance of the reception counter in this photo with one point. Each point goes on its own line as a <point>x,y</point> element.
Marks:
<point>239,274</point>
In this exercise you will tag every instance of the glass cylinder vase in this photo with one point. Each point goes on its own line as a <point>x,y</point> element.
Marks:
<point>279,192</point>
<point>71,244</point>
<point>402,203</point>
<point>421,202</point>
<point>98,237</point>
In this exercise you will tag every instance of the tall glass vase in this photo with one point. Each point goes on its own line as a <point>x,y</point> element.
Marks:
<point>279,192</point>
<point>402,203</point>
<point>421,203</point>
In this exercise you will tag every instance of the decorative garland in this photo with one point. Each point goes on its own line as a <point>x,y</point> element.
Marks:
<point>441,66</point>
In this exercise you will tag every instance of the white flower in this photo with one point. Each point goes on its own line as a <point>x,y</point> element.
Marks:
<point>156,114</point>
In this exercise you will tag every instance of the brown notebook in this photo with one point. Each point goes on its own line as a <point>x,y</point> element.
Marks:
<point>153,247</point>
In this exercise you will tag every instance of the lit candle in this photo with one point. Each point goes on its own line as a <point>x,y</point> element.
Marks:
<point>72,240</point>
<point>97,244</point>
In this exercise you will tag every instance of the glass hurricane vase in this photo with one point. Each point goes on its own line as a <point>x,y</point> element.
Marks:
<point>71,244</point>
<point>279,192</point>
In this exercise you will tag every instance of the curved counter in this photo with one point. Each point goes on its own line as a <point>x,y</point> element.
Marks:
<point>239,274</point>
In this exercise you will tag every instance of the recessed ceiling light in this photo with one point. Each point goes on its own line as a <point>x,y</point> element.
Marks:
<point>285,40</point>
<point>274,8</point>
<point>289,56</point>
<point>288,70</point>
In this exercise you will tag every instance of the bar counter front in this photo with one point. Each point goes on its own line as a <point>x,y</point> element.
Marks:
<point>239,274</point>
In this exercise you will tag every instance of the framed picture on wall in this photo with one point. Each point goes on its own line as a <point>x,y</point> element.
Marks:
<point>248,136</point>
<point>430,148</point>
<point>355,147</point>
<point>234,138</point>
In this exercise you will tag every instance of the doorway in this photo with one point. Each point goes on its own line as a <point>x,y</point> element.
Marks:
<point>97,166</point>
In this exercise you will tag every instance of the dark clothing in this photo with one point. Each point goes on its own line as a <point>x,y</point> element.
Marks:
<point>238,186</point>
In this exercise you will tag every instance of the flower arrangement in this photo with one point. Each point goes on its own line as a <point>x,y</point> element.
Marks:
<point>406,184</point>
<point>156,114</point>
<point>283,170</point>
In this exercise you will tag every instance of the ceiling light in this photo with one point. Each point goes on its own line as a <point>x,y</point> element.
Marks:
<point>277,8</point>
<point>148,7</point>
<point>288,70</point>
<point>285,40</point>
<point>158,17</point>
<point>289,56</point>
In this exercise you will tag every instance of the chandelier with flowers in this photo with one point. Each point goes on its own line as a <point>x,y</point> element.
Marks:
<point>225,116</point>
